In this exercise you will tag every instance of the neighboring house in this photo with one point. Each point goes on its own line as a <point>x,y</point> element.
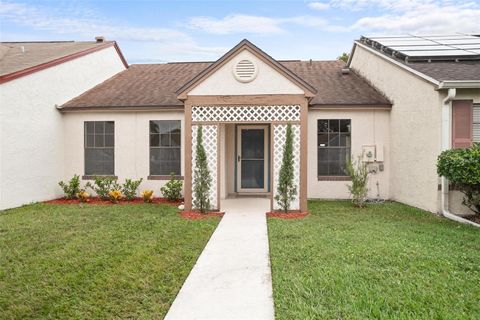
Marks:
<point>142,123</point>
<point>434,85</point>
<point>35,78</point>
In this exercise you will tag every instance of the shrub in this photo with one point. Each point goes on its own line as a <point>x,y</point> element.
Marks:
<point>201,176</point>
<point>358,173</point>
<point>286,190</point>
<point>130,188</point>
<point>115,195</point>
<point>462,168</point>
<point>71,188</point>
<point>83,196</point>
<point>172,190</point>
<point>147,195</point>
<point>103,185</point>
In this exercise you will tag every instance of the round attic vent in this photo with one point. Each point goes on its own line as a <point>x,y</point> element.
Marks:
<point>245,70</point>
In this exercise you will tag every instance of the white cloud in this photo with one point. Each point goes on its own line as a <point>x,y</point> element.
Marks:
<point>424,17</point>
<point>239,23</point>
<point>236,23</point>
<point>319,5</point>
<point>87,25</point>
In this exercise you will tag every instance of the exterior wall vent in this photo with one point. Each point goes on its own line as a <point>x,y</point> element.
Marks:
<point>245,70</point>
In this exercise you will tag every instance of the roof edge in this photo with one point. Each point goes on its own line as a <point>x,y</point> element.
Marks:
<point>121,108</point>
<point>459,84</point>
<point>21,73</point>
<point>255,50</point>
<point>393,61</point>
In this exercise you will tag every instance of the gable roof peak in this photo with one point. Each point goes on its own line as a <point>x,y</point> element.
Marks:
<point>308,89</point>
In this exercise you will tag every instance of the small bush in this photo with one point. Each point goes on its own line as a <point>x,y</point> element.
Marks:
<point>83,196</point>
<point>172,190</point>
<point>358,173</point>
<point>130,187</point>
<point>103,185</point>
<point>147,196</point>
<point>462,168</point>
<point>71,188</point>
<point>115,195</point>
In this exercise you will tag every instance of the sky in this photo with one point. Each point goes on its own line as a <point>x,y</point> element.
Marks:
<point>161,31</point>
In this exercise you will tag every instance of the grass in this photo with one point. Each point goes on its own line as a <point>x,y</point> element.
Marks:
<point>387,261</point>
<point>95,262</point>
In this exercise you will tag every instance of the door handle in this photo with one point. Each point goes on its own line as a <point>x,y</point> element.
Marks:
<point>238,158</point>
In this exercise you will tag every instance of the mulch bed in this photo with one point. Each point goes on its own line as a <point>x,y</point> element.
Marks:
<point>288,215</point>
<point>197,215</point>
<point>96,200</point>
<point>475,218</point>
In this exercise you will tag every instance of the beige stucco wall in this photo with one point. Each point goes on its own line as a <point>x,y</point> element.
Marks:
<point>369,127</point>
<point>268,80</point>
<point>31,129</point>
<point>131,143</point>
<point>415,125</point>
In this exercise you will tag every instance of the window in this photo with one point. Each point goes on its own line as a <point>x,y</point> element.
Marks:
<point>165,143</point>
<point>476,123</point>
<point>334,141</point>
<point>99,147</point>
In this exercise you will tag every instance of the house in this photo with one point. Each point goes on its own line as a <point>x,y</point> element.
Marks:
<point>34,78</point>
<point>381,108</point>
<point>434,86</point>
<point>146,118</point>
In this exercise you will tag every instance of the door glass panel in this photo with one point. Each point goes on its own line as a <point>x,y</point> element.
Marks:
<point>253,143</point>
<point>253,158</point>
<point>253,174</point>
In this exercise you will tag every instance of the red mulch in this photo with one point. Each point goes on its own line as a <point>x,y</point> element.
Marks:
<point>288,215</point>
<point>196,215</point>
<point>96,200</point>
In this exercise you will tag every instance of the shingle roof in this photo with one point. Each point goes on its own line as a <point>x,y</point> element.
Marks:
<point>154,85</point>
<point>448,70</point>
<point>17,56</point>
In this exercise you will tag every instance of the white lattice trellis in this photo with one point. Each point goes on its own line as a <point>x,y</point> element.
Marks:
<point>246,113</point>
<point>209,134</point>
<point>279,136</point>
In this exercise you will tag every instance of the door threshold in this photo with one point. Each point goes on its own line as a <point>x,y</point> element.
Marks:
<point>250,195</point>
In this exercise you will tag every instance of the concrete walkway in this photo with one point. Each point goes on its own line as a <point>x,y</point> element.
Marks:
<point>232,277</point>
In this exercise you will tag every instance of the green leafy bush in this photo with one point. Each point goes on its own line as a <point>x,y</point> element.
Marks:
<point>103,185</point>
<point>462,168</point>
<point>358,173</point>
<point>71,187</point>
<point>172,190</point>
<point>286,190</point>
<point>201,176</point>
<point>130,187</point>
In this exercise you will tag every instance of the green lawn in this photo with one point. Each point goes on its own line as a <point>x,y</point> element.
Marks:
<point>95,262</point>
<point>388,261</point>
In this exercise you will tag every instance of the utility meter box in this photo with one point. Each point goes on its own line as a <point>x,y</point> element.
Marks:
<point>368,153</point>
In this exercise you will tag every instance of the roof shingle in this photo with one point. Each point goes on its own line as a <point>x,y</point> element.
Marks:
<point>155,85</point>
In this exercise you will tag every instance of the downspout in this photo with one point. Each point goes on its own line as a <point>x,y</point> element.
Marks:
<point>446,125</point>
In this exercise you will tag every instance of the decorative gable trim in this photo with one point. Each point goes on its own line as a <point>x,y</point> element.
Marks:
<point>245,45</point>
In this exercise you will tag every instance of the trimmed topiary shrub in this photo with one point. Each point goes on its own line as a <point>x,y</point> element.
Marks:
<point>201,176</point>
<point>286,190</point>
<point>462,168</point>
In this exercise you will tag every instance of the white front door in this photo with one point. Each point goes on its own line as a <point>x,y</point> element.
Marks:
<point>252,158</point>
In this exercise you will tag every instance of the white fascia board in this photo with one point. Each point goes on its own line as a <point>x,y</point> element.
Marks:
<point>460,84</point>
<point>395,62</point>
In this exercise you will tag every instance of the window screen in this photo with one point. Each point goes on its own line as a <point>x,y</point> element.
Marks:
<point>334,143</point>
<point>99,147</point>
<point>476,123</point>
<point>165,144</point>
